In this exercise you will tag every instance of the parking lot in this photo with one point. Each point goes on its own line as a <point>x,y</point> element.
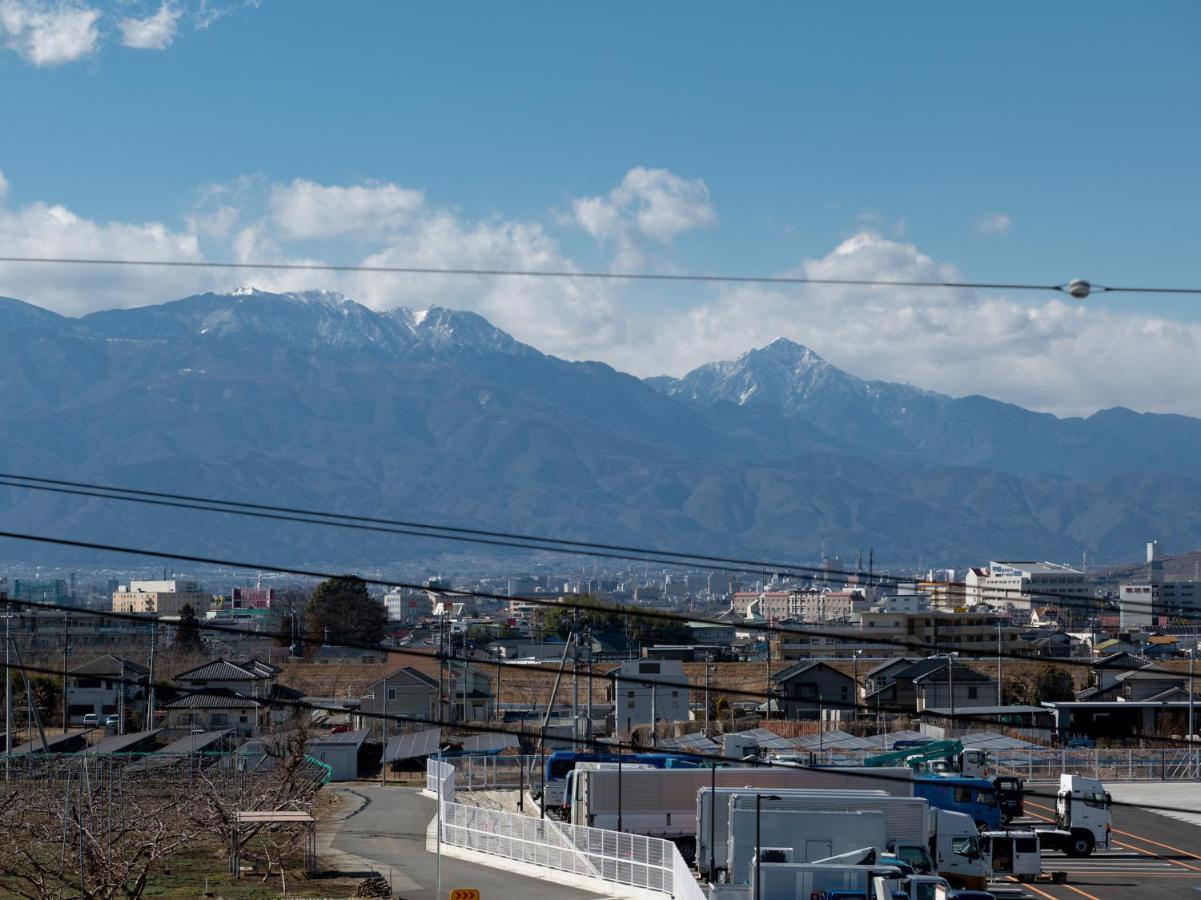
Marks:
<point>1152,854</point>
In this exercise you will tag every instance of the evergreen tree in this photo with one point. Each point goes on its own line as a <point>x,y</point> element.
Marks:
<point>187,632</point>
<point>342,612</point>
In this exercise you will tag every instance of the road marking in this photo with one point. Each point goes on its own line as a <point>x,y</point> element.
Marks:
<point>1157,844</point>
<point>1080,892</point>
<point>1040,893</point>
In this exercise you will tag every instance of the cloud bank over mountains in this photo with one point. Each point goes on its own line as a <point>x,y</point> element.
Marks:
<point>1040,352</point>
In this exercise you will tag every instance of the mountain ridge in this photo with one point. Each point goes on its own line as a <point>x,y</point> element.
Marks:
<point>313,399</point>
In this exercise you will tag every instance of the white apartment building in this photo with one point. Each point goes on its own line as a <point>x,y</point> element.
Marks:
<point>164,598</point>
<point>1021,584</point>
<point>1143,604</point>
<point>406,606</point>
<point>642,702</point>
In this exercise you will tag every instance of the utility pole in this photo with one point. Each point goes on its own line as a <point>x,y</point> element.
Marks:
<point>8,690</point>
<point>767,642</point>
<point>708,667</point>
<point>66,653</point>
<point>121,699</point>
<point>575,680</point>
<point>588,724</point>
<point>855,699</point>
<point>1000,695</point>
<point>1192,655</point>
<point>654,714</point>
<point>150,688</point>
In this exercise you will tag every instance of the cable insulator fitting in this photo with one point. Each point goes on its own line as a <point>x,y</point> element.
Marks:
<point>1079,288</point>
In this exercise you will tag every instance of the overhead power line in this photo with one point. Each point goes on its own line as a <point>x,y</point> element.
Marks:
<point>560,603</point>
<point>1076,288</point>
<point>613,677</point>
<point>608,745</point>
<point>513,540</point>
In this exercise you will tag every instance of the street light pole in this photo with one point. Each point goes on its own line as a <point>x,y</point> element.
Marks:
<point>758,845</point>
<point>759,798</point>
<point>855,699</point>
<point>1192,655</point>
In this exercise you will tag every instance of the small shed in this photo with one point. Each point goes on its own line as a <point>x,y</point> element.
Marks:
<point>339,751</point>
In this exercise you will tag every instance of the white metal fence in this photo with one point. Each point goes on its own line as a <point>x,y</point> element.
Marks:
<point>1046,764</point>
<point>440,779</point>
<point>632,860</point>
<point>473,773</point>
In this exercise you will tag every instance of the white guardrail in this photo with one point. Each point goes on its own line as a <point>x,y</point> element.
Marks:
<point>632,860</point>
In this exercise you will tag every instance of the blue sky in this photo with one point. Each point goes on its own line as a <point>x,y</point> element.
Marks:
<point>1032,141</point>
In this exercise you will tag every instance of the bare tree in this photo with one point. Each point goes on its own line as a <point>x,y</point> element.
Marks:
<point>284,780</point>
<point>99,841</point>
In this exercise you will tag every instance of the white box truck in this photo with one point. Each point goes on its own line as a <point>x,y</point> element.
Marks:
<point>932,841</point>
<point>798,836</point>
<point>662,802</point>
<point>904,817</point>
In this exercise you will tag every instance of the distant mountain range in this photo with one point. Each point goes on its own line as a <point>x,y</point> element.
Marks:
<point>310,399</point>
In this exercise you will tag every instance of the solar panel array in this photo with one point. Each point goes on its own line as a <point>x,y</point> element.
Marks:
<point>490,743</point>
<point>690,743</point>
<point>413,744</point>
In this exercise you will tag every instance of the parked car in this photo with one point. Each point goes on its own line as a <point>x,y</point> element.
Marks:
<point>91,720</point>
<point>112,721</point>
<point>1081,743</point>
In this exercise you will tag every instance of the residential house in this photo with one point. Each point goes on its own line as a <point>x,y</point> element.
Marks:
<point>638,698</point>
<point>404,692</point>
<point>940,688</point>
<point>805,689</point>
<point>221,694</point>
<point>105,686</point>
<point>918,686</point>
<point>1103,683</point>
<point>883,674</point>
<point>1152,683</point>
<point>1043,642</point>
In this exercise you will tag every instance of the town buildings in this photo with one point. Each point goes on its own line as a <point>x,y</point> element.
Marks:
<point>164,598</point>
<point>1022,584</point>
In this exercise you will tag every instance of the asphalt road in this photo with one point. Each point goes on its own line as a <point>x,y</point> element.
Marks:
<point>389,831</point>
<point>1152,854</point>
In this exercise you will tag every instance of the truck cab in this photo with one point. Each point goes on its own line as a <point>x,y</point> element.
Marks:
<point>955,848</point>
<point>1082,808</point>
<point>1009,797</point>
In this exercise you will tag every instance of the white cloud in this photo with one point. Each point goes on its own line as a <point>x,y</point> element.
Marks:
<point>154,32</point>
<point>994,223</point>
<point>648,203</point>
<point>49,34</point>
<point>3,185</point>
<point>1047,353</point>
<point>1051,354</point>
<point>304,209</point>
<point>46,230</point>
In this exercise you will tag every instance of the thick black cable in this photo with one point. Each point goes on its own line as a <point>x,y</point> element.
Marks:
<point>564,273</point>
<point>525,273</point>
<point>681,559</point>
<point>592,743</point>
<point>441,656</point>
<point>536,601</point>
